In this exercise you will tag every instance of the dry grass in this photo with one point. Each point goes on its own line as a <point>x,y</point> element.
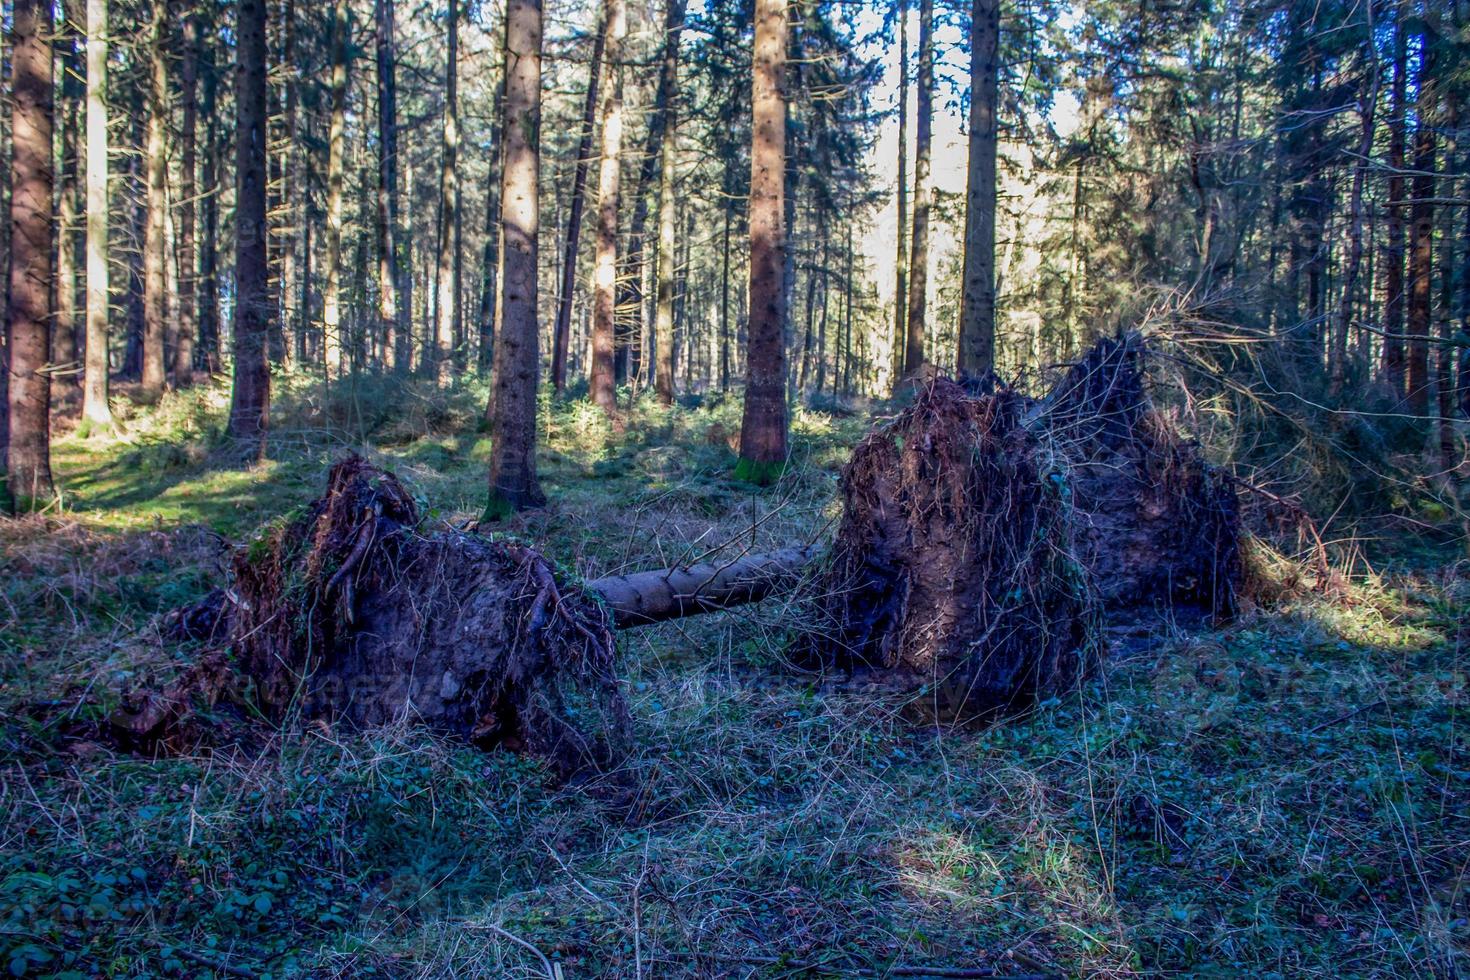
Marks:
<point>1288,795</point>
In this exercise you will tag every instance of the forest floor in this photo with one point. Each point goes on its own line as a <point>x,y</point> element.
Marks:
<point>1286,794</point>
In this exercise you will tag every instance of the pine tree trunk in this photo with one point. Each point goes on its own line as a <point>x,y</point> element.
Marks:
<point>289,336</point>
<point>64,334</point>
<point>1421,249</point>
<point>727,207</point>
<point>155,276</point>
<point>188,331</point>
<point>563,330</point>
<point>763,424</point>
<point>663,334</point>
<point>208,293</point>
<point>32,227</point>
<point>977,310</point>
<point>250,401</point>
<point>332,346</point>
<point>1392,260</point>
<point>447,302</point>
<point>490,260</point>
<point>97,368</point>
<point>513,483</point>
<point>389,281</point>
<point>901,249</point>
<point>604,285</point>
<point>913,357</point>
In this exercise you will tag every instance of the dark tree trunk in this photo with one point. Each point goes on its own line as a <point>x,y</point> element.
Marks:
<point>32,226</point>
<point>390,283</point>
<point>664,321</point>
<point>513,483</point>
<point>447,303</point>
<point>490,260</point>
<point>208,294</point>
<point>64,334</point>
<point>977,310</point>
<point>901,249</point>
<point>250,400</point>
<point>1421,250</point>
<point>188,331</point>
<point>332,339</point>
<point>1392,260</point>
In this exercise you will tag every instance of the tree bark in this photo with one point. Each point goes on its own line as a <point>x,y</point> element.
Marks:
<point>208,293</point>
<point>604,284</point>
<point>447,305</point>
<point>250,400</point>
<point>155,273</point>
<point>977,311</point>
<point>1392,259</point>
<point>1421,251</point>
<point>512,480</point>
<point>913,357</point>
<point>901,250</point>
<point>670,593</point>
<point>1367,104</point>
<point>663,381</point>
<point>32,225</point>
<point>389,283</point>
<point>336,148</point>
<point>490,260</point>
<point>563,330</point>
<point>188,330</point>
<point>763,424</point>
<point>64,333</point>
<point>96,412</point>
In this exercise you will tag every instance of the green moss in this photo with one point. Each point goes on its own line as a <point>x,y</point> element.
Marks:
<point>761,474</point>
<point>497,508</point>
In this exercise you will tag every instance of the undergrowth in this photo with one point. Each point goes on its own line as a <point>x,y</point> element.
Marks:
<point>1284,795</point>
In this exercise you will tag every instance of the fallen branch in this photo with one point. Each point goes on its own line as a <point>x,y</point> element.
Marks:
<point>669,593</point>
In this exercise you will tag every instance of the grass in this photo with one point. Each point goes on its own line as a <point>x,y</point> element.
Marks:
<point>1285,795</point>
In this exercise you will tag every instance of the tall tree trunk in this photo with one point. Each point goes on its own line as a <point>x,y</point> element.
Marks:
<point>64,333</point>
<point>1392,259</point>
<point>913,356</point>
<point>727,207</point>
<point>447,304</point>
<point>155,272</point>
<point>389,282</point>
<point>562,333</point>
<point>208,293</point>
<point>1444,382</point>
<point>1421,251</point>
<point>1367,104</point>
<point>336,147</point>
<point>604,284</point>
<point>250,400</point>
<point>490,260</point>
<point>32,224</point>
<point>847,291</point>
<point>763,425</point>
<point>977,309</point>
<point>513,483</point>
<point>96,411</point>
<point>188,331</point>
<point>663,381</point>
<point>901,250</point>
<point>287,340</point>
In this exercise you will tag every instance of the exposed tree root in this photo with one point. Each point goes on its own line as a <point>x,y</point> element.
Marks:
<point>354,613</point>
<point>954,569</point>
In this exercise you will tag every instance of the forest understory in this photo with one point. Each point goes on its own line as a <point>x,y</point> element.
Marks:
<point>1283,793</point>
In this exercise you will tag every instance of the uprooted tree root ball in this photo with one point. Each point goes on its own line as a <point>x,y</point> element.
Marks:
<point>1157,523</point>
<point>355,613</point>
<point>954,571</point>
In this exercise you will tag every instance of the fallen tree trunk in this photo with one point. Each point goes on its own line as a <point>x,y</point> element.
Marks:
<point>669,593</point>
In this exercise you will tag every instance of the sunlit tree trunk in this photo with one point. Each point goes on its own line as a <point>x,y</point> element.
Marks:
<point>188,330</point>
<point>561,334</point>
<point>64,332</point>
<point>663,381</point>
<point>250,400</point>
<point>977,305</point>
<point>605,275</point>
<point>447,304</point>
<point>155,272</point>
<point>209,185</point>
<point>513,483</point>
<point>901,248</point>
<point>336,146</point>
<point>95,409</point>
<point>763,425</point>
<point>913,356</point>
<point>288,341</point>
<point>32,227</point>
